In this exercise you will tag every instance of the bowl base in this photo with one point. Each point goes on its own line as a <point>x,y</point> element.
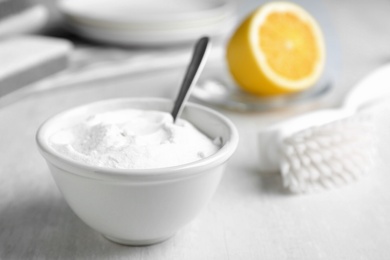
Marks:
<point>144,242</point>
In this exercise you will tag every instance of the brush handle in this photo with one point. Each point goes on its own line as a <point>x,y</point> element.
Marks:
<point>373,88</point>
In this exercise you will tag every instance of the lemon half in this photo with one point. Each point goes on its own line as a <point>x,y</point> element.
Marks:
<point>278,49</point>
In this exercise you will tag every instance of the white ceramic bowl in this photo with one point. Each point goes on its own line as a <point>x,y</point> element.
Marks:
<point>145,206</point>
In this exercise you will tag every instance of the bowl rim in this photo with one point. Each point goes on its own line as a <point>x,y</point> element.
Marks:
<point>58,160</point>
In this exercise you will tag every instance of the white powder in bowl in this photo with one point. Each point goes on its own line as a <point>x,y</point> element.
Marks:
<point>133,139</point>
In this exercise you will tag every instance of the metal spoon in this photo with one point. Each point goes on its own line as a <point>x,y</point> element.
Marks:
<point>198,60</point>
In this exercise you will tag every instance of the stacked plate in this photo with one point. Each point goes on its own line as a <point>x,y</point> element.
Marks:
<point>148,22</point>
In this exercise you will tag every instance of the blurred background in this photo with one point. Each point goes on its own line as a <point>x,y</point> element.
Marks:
<point>131,33</point>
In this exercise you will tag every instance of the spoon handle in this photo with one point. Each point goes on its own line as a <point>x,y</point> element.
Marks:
<point>199,57</point>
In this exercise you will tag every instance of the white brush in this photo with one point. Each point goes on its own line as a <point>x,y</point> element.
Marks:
<point>326,148</point>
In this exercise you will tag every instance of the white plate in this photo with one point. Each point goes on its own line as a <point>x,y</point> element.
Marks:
<point>151,37</point>
<point>225,93</point>
<point>148,22</point>
<point>146,26</point>
<point>145,12</point>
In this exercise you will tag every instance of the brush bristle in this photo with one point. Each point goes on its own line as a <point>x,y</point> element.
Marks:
<point>329,155</point>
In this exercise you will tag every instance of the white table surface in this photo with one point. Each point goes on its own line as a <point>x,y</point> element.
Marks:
<point>250,216</point>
